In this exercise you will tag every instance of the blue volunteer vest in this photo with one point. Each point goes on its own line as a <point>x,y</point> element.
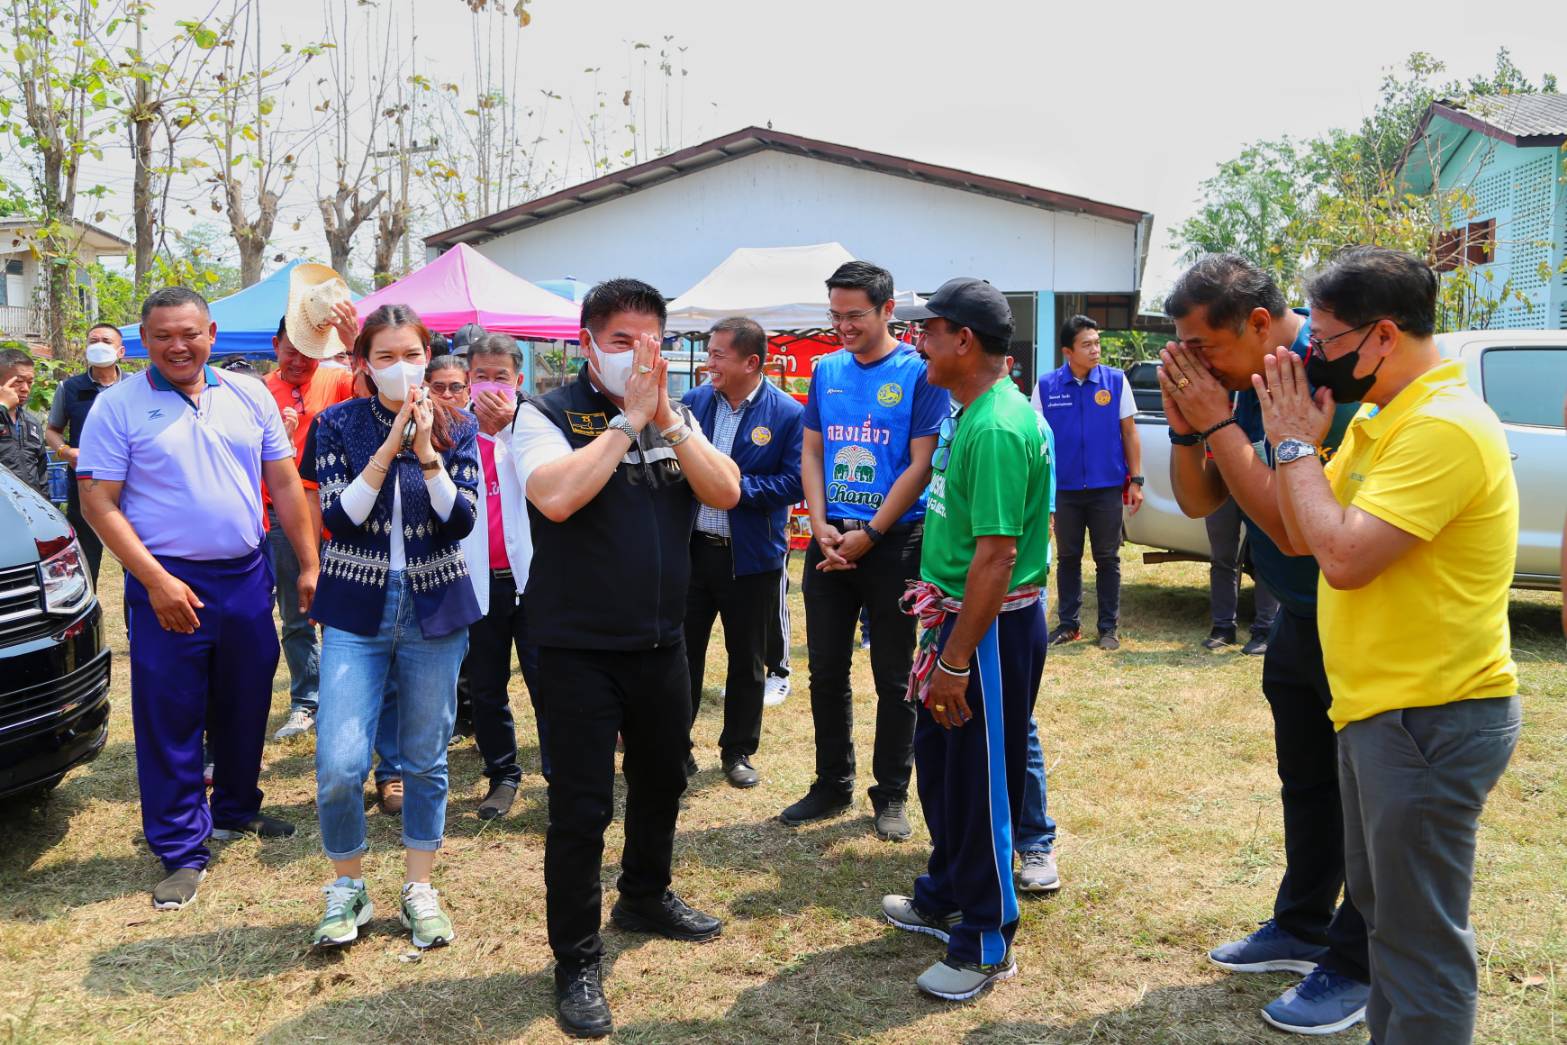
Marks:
<point>867,415</point>
<point>1086,420</point>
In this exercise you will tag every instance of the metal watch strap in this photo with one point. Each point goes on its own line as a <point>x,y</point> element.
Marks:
<point>620,424</point>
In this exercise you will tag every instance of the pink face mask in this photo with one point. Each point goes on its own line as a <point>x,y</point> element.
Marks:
<point>479,387</point>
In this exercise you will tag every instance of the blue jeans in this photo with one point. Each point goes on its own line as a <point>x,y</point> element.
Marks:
<point>356,670</point>
<point>1036,832</point>
<point>387,765</point>
<point>300,648</point>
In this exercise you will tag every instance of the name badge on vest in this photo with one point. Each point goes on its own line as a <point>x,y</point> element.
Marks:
<point>587,424</point>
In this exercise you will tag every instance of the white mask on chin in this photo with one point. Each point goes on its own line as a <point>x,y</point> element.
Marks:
<point>614,367</point>
<point>396,380</point>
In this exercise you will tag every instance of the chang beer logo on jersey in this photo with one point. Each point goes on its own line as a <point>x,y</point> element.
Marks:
<point>853,465</point>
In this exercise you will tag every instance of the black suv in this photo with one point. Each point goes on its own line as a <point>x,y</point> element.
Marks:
<point>54,666</point>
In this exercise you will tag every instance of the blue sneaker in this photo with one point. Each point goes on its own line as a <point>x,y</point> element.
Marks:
<point>1269,949</point>
<point>1323,1003</point>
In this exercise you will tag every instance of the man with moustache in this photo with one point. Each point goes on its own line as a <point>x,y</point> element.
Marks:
<point>73,400</point>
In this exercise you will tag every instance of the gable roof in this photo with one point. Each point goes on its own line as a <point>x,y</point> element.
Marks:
<point>1517,119</point>
<point>755,139</point>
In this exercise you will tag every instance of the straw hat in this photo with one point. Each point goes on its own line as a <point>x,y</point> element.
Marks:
<point>312,291</point>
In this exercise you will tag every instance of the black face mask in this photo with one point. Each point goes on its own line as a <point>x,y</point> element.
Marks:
<point>1338,375</point>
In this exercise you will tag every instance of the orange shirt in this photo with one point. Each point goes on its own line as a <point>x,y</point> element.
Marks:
<point>328,385</point>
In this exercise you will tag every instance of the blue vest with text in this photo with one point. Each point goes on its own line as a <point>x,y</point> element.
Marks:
<point>867,416</point>
<point>1086,421</point>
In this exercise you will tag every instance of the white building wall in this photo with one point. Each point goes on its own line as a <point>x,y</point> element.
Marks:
<point>674,233</point>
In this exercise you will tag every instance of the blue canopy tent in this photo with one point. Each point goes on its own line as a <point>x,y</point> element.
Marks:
<point>246,320</point>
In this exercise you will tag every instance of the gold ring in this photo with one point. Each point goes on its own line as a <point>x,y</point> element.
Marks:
<point>938,707</point>
<point>1182,383</point>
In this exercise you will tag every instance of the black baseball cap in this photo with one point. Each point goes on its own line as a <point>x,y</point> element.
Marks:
<point>966,302</point>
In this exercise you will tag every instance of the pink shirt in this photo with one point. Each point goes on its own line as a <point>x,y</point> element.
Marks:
<point>492,504</point>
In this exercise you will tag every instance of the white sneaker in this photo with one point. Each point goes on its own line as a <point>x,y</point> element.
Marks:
<point>776,691</point>
<point>299,721</point>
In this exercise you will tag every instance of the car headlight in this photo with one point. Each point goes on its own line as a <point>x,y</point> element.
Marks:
<point>67,585</point>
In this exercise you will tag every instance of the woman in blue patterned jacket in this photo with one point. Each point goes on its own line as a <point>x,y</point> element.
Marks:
<point>398,476</point>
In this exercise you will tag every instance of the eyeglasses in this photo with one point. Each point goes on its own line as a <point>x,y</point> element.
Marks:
<point>1314,343</point>
<point>943,454</point>
<point>441,388</point>
<point>836,318</point>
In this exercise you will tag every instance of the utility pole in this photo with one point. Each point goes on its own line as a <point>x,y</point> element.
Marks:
<point>404,151</point>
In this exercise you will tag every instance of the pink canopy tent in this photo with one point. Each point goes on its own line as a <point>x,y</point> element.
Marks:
<point>463,286</point>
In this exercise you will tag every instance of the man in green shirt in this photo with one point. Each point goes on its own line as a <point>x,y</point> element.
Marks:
<point>983,639</point>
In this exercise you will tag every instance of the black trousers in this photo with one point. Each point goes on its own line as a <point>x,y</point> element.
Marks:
<point>92,547</point>
<point>832,608</point>
<point>1098,512</point>
<point>590,696</point>
<point>746,605</point>
<point>1296,686</point>
<point>487,669</point>
<point>778,627</point>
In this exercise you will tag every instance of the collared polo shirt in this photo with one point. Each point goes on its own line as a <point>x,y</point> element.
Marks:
<point>726,422</point>
<point>191,468</point>
<point>1431,628</point>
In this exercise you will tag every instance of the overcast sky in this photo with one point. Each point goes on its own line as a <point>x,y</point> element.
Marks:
<point>1133,104</point>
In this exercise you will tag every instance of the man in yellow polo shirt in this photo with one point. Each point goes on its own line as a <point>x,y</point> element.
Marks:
<point>1415,527</point>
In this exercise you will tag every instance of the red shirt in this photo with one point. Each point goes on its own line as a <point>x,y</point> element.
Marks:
<point>326,386</point>
<point>492,504</point>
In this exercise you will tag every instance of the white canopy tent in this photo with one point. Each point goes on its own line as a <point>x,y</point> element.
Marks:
<point>782,288</point>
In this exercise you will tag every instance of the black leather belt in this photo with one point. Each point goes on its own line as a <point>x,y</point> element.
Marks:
<point>859,524</point>
<point>703,537</point>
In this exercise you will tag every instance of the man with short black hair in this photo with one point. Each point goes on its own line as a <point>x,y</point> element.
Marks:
<point>1229,315</point>
<point>870,429</point>
<point>1099,460</point>
<point>171,466</point>
<point>499,551</point>
<point>983,641</point>
<point>21,430</point>
<point>73,399</point>
<point>737,557</point>
<point>613,474</point>
<point>1414,523</point>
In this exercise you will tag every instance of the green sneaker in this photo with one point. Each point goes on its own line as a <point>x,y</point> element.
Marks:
<point>422,915</point>
<point>348,907</point>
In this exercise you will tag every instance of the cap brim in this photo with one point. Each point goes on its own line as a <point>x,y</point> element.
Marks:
<point>310,341</point>
<point>913,312</point>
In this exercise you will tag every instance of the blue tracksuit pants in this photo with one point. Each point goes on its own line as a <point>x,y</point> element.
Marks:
<point>216,681</point>
<point>971,782</point>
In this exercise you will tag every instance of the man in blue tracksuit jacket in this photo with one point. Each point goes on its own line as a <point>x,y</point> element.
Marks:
<point>737,556</point>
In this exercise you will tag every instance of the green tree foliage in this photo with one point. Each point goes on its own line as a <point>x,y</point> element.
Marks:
<point>1286,205</point>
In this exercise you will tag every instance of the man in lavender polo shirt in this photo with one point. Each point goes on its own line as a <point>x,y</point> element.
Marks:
<point>171,467</point>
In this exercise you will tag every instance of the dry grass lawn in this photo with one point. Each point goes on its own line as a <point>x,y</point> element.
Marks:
<point>1162,780</point>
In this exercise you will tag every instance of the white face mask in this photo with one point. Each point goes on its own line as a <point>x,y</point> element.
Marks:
<point>614,368</point>
<point>101,353</point>
<point>395,380</point>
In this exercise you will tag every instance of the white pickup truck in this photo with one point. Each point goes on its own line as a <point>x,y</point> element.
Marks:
<point>1523,376</point>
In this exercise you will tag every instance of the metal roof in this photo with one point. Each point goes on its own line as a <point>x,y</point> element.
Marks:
<point>1518,119</point>
<point>754,139</point>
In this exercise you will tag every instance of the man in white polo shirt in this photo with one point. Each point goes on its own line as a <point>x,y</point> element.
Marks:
<point>171,467</point>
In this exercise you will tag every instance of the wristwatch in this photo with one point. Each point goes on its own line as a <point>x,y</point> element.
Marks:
<point>874,534</point>
<point>1136,479</point>
<point>1293,450</point>
<point>1177,439</point>
<point>620,424</point>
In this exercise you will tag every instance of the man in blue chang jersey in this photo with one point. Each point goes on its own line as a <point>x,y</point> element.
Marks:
<point>870,428</point>
<point>1229,316</point>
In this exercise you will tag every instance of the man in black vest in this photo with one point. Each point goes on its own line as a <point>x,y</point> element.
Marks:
<point>613,472</point>
<point>68,413</point>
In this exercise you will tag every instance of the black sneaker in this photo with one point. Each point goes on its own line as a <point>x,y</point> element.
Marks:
<point>1256,646</point>
<point>1063,634</point>
<point>258,825</point>
<point>817,804</point>
<point>739,771</point>
<point>178,889</point>
<point>498,802</point>
<point>1219,638</point>
<point>668,915</point>
<point>1108,641</point>
<point>892,821</point>
<point>580,1006</point>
